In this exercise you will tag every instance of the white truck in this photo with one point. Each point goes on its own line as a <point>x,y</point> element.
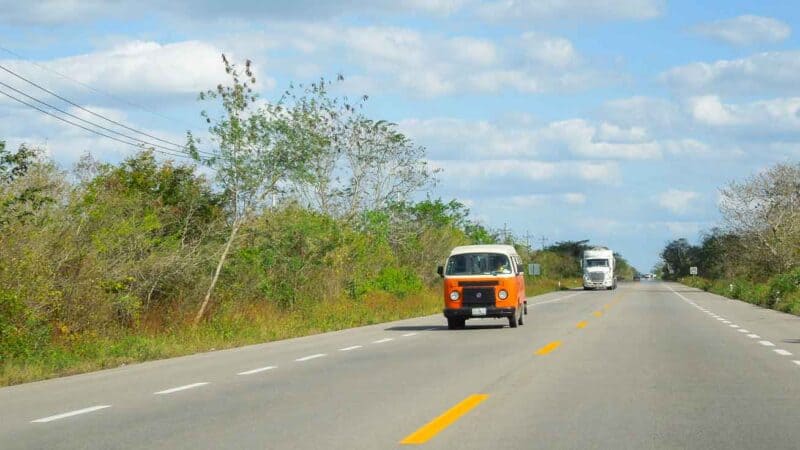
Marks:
<point>598,268</point>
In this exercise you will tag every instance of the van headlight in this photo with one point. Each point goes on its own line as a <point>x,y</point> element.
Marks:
<point>454,295</point>
<point>503,294</point>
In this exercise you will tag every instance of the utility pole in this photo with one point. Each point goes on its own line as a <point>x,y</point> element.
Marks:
<point>543,240</point>
<point>505,233</point>
<point>528,240</point>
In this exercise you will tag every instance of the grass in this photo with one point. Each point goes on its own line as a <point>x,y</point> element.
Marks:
<point>233,325</point>
<point>762,294</point>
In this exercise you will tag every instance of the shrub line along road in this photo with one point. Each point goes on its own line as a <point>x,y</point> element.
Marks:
<point>651,365</point>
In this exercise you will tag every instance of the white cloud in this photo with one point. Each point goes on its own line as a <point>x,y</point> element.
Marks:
<point>594,10</point>
<point>552,51</point>
<point>587,140</point>
<point>710,111</point>
<point>647,112</point>
<point>758,118</point>
<point>677,201</point>
<point>599,172</point>
<point>746,30</point>
<point>574,198</point>
<point>48,12</point>
<point>137,69</point>
<point>578,137</point>
<point>429,63</point>
<point>761,73</point>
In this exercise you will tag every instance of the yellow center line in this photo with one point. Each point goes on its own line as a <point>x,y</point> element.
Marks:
<point>438,424</point>
<point>582,324</point>
<point>548,348</point>
<point>598,313</point>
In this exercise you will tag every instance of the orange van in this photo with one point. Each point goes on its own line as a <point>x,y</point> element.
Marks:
<point>483,281</point>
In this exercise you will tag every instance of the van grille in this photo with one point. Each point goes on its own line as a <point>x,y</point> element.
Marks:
<point>597,276</point>
<point>478,297</point>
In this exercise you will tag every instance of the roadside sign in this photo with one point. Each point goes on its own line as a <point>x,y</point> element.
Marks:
<point>693,270</point>
<point>534,269</point>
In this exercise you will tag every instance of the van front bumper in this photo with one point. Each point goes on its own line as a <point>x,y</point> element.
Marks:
<point>466,313</point>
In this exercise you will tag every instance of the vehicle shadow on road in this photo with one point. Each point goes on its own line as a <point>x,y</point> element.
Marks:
<point>441,327</point>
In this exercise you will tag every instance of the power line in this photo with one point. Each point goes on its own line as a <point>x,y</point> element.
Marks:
<point>135,139</point>
<point>137,145</point>
<point>181,147</point>
<point>91,88</point>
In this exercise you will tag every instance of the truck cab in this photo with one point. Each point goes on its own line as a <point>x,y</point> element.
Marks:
<point>483,281</point>
<point>598,268</point>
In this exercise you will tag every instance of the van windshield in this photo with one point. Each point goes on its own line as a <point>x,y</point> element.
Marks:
<point>596,263</point>
<point>478,264</point>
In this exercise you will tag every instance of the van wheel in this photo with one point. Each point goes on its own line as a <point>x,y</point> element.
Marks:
<point>521,318</point>
<point>526,308</point>
<point>512,321</point>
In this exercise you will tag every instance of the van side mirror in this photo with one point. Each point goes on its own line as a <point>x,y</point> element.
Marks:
<point>440,271</point>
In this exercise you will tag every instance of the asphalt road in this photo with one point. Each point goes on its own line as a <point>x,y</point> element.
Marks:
<point>650,365</point>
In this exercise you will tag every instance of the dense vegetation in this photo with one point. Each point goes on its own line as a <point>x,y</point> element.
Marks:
<point>308,225</point>
<point>754,255</point>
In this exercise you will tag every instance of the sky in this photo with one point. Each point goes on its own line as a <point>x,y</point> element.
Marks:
<point>616,122</point>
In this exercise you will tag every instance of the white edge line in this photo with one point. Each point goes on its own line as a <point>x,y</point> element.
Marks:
<point>306,358</point>
<point>260,369</point>
<point>352,347</point>
<point>70,414</point>
<point>180,388</point>
<point>783,352</point>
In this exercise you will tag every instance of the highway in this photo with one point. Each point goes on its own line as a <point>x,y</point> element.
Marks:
<point>649,365</point>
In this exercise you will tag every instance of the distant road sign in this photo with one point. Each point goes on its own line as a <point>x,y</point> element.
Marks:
<point>693,270</point>
<point>534,269</point>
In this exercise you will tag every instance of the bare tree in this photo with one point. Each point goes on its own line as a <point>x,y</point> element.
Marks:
<point>764,211</point>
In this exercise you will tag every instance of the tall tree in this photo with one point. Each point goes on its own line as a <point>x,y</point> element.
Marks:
<point>258,148</point>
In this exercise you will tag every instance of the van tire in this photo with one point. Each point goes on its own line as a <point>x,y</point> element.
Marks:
<point>512,320</point>
<point>521,320</point>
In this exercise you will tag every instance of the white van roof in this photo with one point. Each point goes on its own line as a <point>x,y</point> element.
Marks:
<point>502,249</point>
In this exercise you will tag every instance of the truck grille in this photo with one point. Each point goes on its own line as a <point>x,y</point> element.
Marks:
<point>597,277</point>
<point>478,297</point>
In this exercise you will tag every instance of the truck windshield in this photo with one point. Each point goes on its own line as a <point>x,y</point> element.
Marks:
<point>478,264</point>
<point>596,263</point>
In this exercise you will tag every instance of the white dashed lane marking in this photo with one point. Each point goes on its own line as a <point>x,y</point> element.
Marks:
<point>409,334</point>
<point>352,347</point>
<point>381,341</point>
<point>70,414</point>
<point>180,388</point>
<point>309,357</point>
<point>779,351</point>
<point>259,370</point>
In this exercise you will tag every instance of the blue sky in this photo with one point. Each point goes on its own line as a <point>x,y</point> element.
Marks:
<point>570,119</point>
